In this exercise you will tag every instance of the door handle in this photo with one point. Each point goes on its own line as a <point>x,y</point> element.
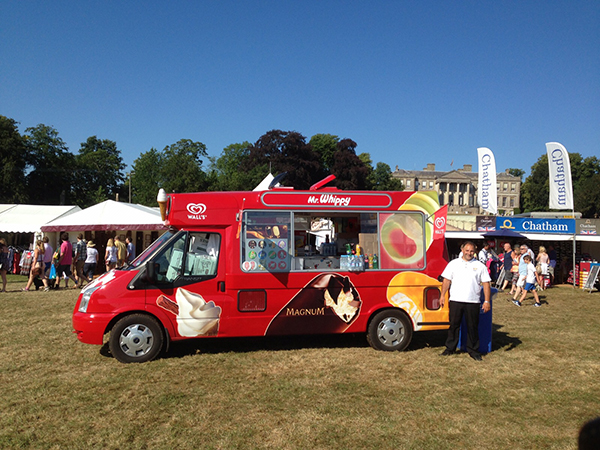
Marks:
<point>221,286</point>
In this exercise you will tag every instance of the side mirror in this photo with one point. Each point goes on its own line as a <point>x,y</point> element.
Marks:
<point>150,275</point>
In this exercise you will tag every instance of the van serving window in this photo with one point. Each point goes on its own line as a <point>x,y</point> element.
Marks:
<point>338,241</point>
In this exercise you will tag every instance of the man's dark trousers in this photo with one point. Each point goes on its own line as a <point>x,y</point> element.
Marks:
<point>471,313</point>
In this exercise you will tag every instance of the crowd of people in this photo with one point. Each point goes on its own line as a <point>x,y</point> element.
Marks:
<point>70,263</point>
<point>519,267</point>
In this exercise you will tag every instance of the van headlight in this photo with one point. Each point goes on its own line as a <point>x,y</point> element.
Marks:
<point>85,299</point>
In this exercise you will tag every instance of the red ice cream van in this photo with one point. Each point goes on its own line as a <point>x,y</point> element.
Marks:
<point>276,262</point>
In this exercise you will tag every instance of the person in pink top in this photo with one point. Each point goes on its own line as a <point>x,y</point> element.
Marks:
<point>65,261</point>
<point>48,251</point>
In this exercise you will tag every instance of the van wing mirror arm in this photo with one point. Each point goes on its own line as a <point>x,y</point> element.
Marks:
<point>150,272</point>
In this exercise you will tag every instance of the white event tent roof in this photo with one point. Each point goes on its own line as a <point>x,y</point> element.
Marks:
<point>109,215</point>
<point>30,218</point>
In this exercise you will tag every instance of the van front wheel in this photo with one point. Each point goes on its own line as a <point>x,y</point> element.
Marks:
<point>390,330</point>
<point>136,338</point>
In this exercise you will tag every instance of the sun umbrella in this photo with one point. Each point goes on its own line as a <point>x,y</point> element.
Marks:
<point>503,233</point>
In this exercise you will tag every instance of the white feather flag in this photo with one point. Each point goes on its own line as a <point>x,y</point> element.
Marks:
<point>487,193</point>
<point>559,168</point>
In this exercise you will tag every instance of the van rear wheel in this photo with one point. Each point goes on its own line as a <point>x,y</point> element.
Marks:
<point>390,330</point>
<point>136,338</point>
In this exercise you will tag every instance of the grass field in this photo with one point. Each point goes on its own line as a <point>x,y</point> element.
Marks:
<point>535,389</point>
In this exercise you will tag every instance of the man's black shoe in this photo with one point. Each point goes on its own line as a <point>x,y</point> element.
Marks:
<point>476,357</point>
<point>447,353</point>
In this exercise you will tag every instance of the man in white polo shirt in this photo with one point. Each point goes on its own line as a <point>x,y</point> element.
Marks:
<point>463,277</point>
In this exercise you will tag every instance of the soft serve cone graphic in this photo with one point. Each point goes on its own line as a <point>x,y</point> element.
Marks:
<point>161,198</point>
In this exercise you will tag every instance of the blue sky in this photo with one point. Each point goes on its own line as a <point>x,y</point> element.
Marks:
<point>411,82</point>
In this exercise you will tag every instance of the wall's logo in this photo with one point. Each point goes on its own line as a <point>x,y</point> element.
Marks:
<point>439,227</point>
<point>196,211</point>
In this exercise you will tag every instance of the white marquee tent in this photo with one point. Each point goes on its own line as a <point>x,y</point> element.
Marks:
<point>109,215</point>
<point>31,218</point>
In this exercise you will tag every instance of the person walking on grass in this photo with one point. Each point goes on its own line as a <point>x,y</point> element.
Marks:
<point>38,267</point>
<point>89,268</point>
<point>523,249</point>
<point>507,262</point>
<point>463,277</point>
<point>130,250</point>
<point>80,256</point>
<point>543,260</point>
<point>529,283</point>
<point>65,261</point>
<point>4,263</point>
<point>516,259</point>
<point>110,255</point>
<point>121,252</point>
<point>48,252</point>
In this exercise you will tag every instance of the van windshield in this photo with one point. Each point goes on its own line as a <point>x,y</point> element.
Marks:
<point>143,257</point>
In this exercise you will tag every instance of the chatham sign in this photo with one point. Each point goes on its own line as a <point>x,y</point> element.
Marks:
<point>528,225</point>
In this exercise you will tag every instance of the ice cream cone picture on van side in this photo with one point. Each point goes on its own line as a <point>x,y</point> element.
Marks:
<point>195,316</point>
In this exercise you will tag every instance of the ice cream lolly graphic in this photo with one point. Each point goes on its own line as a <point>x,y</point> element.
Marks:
<point>195,316</point>
<point>329,303</point>
<point>161,198</point>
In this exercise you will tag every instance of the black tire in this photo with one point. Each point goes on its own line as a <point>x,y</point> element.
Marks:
<point>136,338</point>
<point>390,330</point>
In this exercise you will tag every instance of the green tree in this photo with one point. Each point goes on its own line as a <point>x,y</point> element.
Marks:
<point>587,197</point>
<point>177,168</point>
<point>583,169</point>
<point>368,162</point>
<point>181,167</point>
<point>325,145</point>
<point>146,178</point>
<point>517,173</point>
<point>13,161</point>
<point>99,172</point>
<point>366,159</point>
<point>382,179</point>
<point>286,151</point>
<point>535,189</point>
<point>232,171</point>
<point>50,180</point>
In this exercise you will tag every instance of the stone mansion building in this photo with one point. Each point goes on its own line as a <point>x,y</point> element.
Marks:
<point>458,188</point>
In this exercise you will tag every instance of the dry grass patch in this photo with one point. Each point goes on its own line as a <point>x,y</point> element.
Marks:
<point>534,390</point>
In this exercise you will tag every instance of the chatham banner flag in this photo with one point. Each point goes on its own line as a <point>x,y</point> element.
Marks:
<point>487,194</point>
<point>559,168</point>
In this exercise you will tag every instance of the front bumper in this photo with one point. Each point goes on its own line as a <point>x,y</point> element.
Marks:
<point>90,328</point>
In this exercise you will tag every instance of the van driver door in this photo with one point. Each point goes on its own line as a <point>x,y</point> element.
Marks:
<point>189,274</point>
